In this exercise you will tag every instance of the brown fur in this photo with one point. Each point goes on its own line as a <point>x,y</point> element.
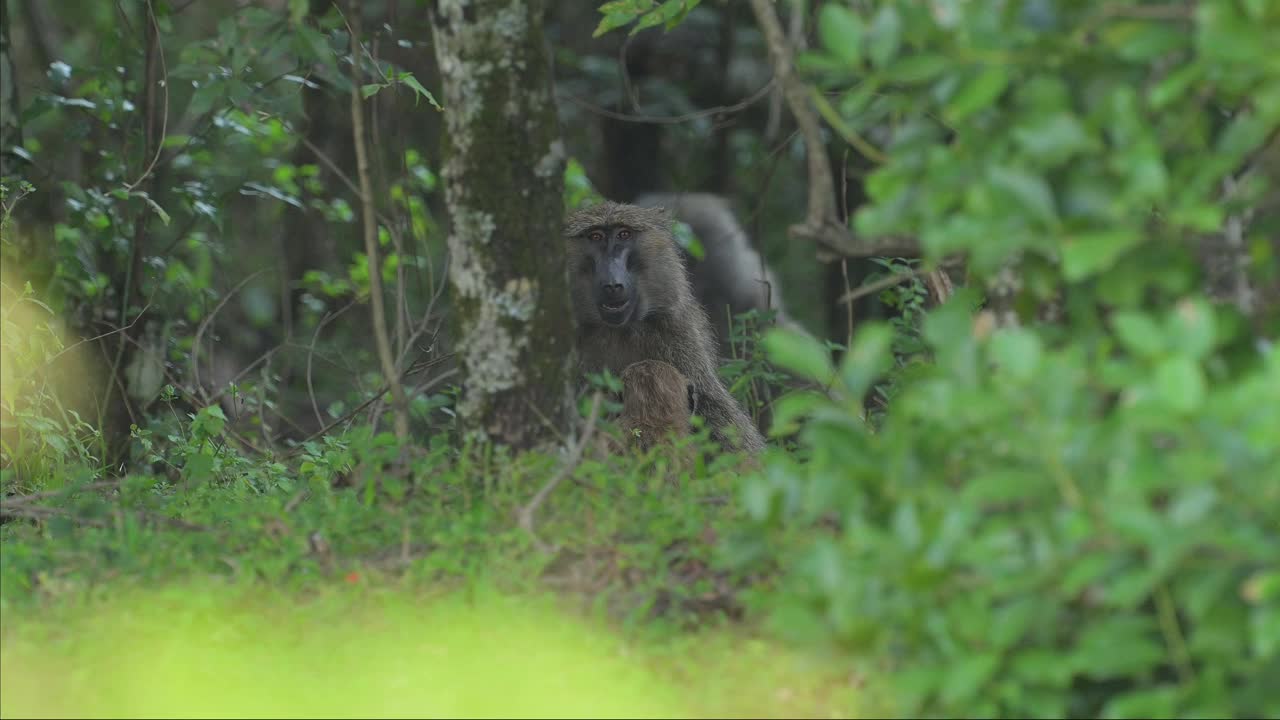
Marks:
<point>668,324</point>
<point>655,403</point>
<point>731,277</point>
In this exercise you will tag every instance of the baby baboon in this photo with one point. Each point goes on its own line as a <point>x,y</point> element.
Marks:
<point>731,277</point>
<point>656,403</point>
<point>633,302</point>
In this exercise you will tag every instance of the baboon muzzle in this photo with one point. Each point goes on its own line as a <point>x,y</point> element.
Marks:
<point>615,294</point>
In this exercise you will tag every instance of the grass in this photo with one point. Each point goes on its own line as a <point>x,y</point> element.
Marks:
<point>215,648</point>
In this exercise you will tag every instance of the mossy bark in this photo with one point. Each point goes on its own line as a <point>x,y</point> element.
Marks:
<point>504,176</point>
<point>10,129</point>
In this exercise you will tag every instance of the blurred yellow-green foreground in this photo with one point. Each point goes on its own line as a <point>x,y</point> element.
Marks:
<point>217,651</point>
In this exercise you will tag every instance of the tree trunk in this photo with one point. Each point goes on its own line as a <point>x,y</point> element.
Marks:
<point>504,176</point>
<point>10,127</point>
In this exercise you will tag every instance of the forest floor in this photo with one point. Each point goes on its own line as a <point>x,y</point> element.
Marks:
<point>274,601</point>
<point>212,648</point>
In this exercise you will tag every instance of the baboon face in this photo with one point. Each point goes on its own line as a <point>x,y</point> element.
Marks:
<point>617,255</point>
<point>610,259</point>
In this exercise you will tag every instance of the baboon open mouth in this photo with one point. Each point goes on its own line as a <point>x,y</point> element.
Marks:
<point>615,313</point>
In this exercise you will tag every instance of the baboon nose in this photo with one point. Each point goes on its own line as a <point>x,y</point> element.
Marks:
<point>613,292</point>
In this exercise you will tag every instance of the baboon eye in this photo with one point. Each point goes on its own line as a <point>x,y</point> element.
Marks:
<point>624,234</point>
<point>596,236</point>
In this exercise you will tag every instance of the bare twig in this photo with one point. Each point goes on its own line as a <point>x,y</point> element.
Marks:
<point>820,223</point>
<point>44,512</point>
<point>15,500</point>
<point>877,286</point>
<point>524,515</point>
<point>400,405</point>
<point>95,338</point>
<point>940,285</point>
<point>204,324</point>
<point>164,82</point>
<point>675,119</point>
<point>311,351</point>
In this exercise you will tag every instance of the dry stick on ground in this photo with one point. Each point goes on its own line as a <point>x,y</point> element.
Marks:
<point>524,516</point>
<point>400,406</point>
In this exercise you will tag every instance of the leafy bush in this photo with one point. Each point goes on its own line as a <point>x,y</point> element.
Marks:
<point>1077,518</point>
<point>1037,532</point>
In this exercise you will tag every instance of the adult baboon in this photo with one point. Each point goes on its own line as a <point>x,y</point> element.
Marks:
<point>632,301</point>
<point>731,277</point>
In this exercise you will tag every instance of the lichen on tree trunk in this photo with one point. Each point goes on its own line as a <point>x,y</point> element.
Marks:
<point>504,176</point>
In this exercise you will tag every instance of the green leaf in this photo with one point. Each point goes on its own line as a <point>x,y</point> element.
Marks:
<point>164,216</point>
<point>1264,625</point>
<point>1204,218</point>
<point>800,353</point>
<point>1028,189</point>
<point>619,13</point>
<point>841,31</point>
<point>1144,42</point>
<point>1053,139</point>
<point>198,467</point>
<point>1174,86</point>
<point>918,68</point>
<point>209,422</point>
<point>906,526</point>
<point>1180,383</point>
<point>1016,352</point>
<point>658,16</point>
<point>1091,253</point>
<point>418,90</point>
<point>1148,703</point>
<point>966,678</point>
<point>885,36</point>
<point>790,408</point>
<point>868,357</point>
<point>979,92</point>
<point>367,91</point>
<point>1148,178</point>
<point>1192,328</point>
<point>1139,333</point>
<point>1117,646</point>
<point>612,21</point>
<point>298,11</point>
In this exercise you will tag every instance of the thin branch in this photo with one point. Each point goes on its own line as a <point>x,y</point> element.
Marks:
<point>821,185</point>
<point>311,351</point>
<point>877,286</point>
<point>204,324</point>
<point>398,400</point>
<point>95,338</point>
<point>821,223</point>
<point>525,514</point>
<point>361,407</point>
<point>675,119</point>
<point>164,82</point>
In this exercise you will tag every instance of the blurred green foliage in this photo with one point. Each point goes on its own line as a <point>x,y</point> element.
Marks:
<point>1068,518</point>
